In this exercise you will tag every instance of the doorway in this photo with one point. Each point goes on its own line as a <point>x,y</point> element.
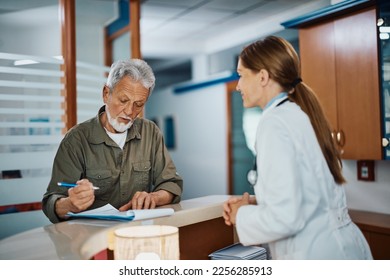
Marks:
<point>242,124</point>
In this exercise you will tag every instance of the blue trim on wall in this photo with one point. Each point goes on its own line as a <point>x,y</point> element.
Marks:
<point>293,23</point>
<point>194,86</point>
<point>122,20</point>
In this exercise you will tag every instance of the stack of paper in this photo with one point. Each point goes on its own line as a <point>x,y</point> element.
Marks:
<point>239,252</point>
<point>109,212</point>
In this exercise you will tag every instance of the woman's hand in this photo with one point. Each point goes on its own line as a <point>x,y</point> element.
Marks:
<point>231,206</point>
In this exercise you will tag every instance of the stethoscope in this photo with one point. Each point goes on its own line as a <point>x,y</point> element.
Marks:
<point>252,174</point>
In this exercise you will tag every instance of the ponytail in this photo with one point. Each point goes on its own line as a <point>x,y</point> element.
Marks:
<point>305,97</point>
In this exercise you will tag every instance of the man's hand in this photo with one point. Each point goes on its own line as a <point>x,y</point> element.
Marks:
<point>79,199</point>
<point>230,208</point>
<point>145,200</point>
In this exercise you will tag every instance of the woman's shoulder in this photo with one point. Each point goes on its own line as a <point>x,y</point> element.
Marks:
<point>287,117</point>
<point>289,113</point>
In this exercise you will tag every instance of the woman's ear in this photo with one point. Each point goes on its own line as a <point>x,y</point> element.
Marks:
<point>264,77</point>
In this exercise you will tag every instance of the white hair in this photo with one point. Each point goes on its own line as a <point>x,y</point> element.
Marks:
<point>137,69</point>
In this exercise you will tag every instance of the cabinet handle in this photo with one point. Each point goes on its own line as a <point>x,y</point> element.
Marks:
<point>341,138</point>
<point>333,133</point>
<point>385,142</point>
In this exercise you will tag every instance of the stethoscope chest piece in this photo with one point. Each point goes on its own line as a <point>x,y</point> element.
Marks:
<point>252,175</point>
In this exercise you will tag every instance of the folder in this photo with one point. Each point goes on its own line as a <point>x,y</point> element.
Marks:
<point>109,212</point>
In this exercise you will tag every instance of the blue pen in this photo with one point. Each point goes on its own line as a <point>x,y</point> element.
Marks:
<point>71,185</point>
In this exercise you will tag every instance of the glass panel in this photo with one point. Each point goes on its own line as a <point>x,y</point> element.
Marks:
<point>30,116</point>
<point>30,108</point>
<point>121,47</point>
<point>384,40</point>
<point>90,81</point>
<point>30,28</point>
<point>30,86</point>
<point>90,51</point>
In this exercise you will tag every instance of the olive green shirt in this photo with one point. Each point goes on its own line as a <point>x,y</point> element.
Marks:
<point>88,152</point>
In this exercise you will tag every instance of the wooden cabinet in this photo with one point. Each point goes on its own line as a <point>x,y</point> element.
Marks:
<point>339,59</point>
<point>376,229</point>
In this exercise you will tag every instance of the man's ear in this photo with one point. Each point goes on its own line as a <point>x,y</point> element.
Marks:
<point>106,93</point>
<point>264,77</point>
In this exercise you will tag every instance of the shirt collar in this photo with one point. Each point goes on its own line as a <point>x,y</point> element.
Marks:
<point>276,98</point>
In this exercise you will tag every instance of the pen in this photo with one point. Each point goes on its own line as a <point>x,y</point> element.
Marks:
<point>71,185</point>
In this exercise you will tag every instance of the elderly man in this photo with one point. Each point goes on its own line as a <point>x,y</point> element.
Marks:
<point>114,157</point>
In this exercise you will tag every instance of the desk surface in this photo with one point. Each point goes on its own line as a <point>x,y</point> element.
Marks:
<point>83,238</point>
<point>375,222</point>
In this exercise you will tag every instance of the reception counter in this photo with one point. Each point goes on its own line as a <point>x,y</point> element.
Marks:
<point>201,231</point>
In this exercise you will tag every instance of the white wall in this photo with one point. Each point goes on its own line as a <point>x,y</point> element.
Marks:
<point>201,136</point>
<point>368,196</point>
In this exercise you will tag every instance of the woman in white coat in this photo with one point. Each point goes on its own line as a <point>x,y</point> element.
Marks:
<point>299,208</point>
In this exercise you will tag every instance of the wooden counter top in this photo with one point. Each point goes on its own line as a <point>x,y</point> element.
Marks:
<point>371,221</point>
<point>84,238</point>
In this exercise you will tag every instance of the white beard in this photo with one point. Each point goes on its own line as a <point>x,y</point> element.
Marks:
<point>118,126</point>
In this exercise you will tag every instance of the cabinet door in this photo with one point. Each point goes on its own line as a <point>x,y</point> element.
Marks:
<point>316,46</point>
<point>379,245</point>
<point>357,78</point>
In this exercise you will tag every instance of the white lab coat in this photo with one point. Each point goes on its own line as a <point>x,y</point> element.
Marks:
<point>301,212</point>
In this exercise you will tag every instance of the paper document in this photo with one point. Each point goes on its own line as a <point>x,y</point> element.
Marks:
<point>109,212</point>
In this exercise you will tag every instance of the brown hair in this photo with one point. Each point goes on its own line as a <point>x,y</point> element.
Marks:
<point>278,57</point>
